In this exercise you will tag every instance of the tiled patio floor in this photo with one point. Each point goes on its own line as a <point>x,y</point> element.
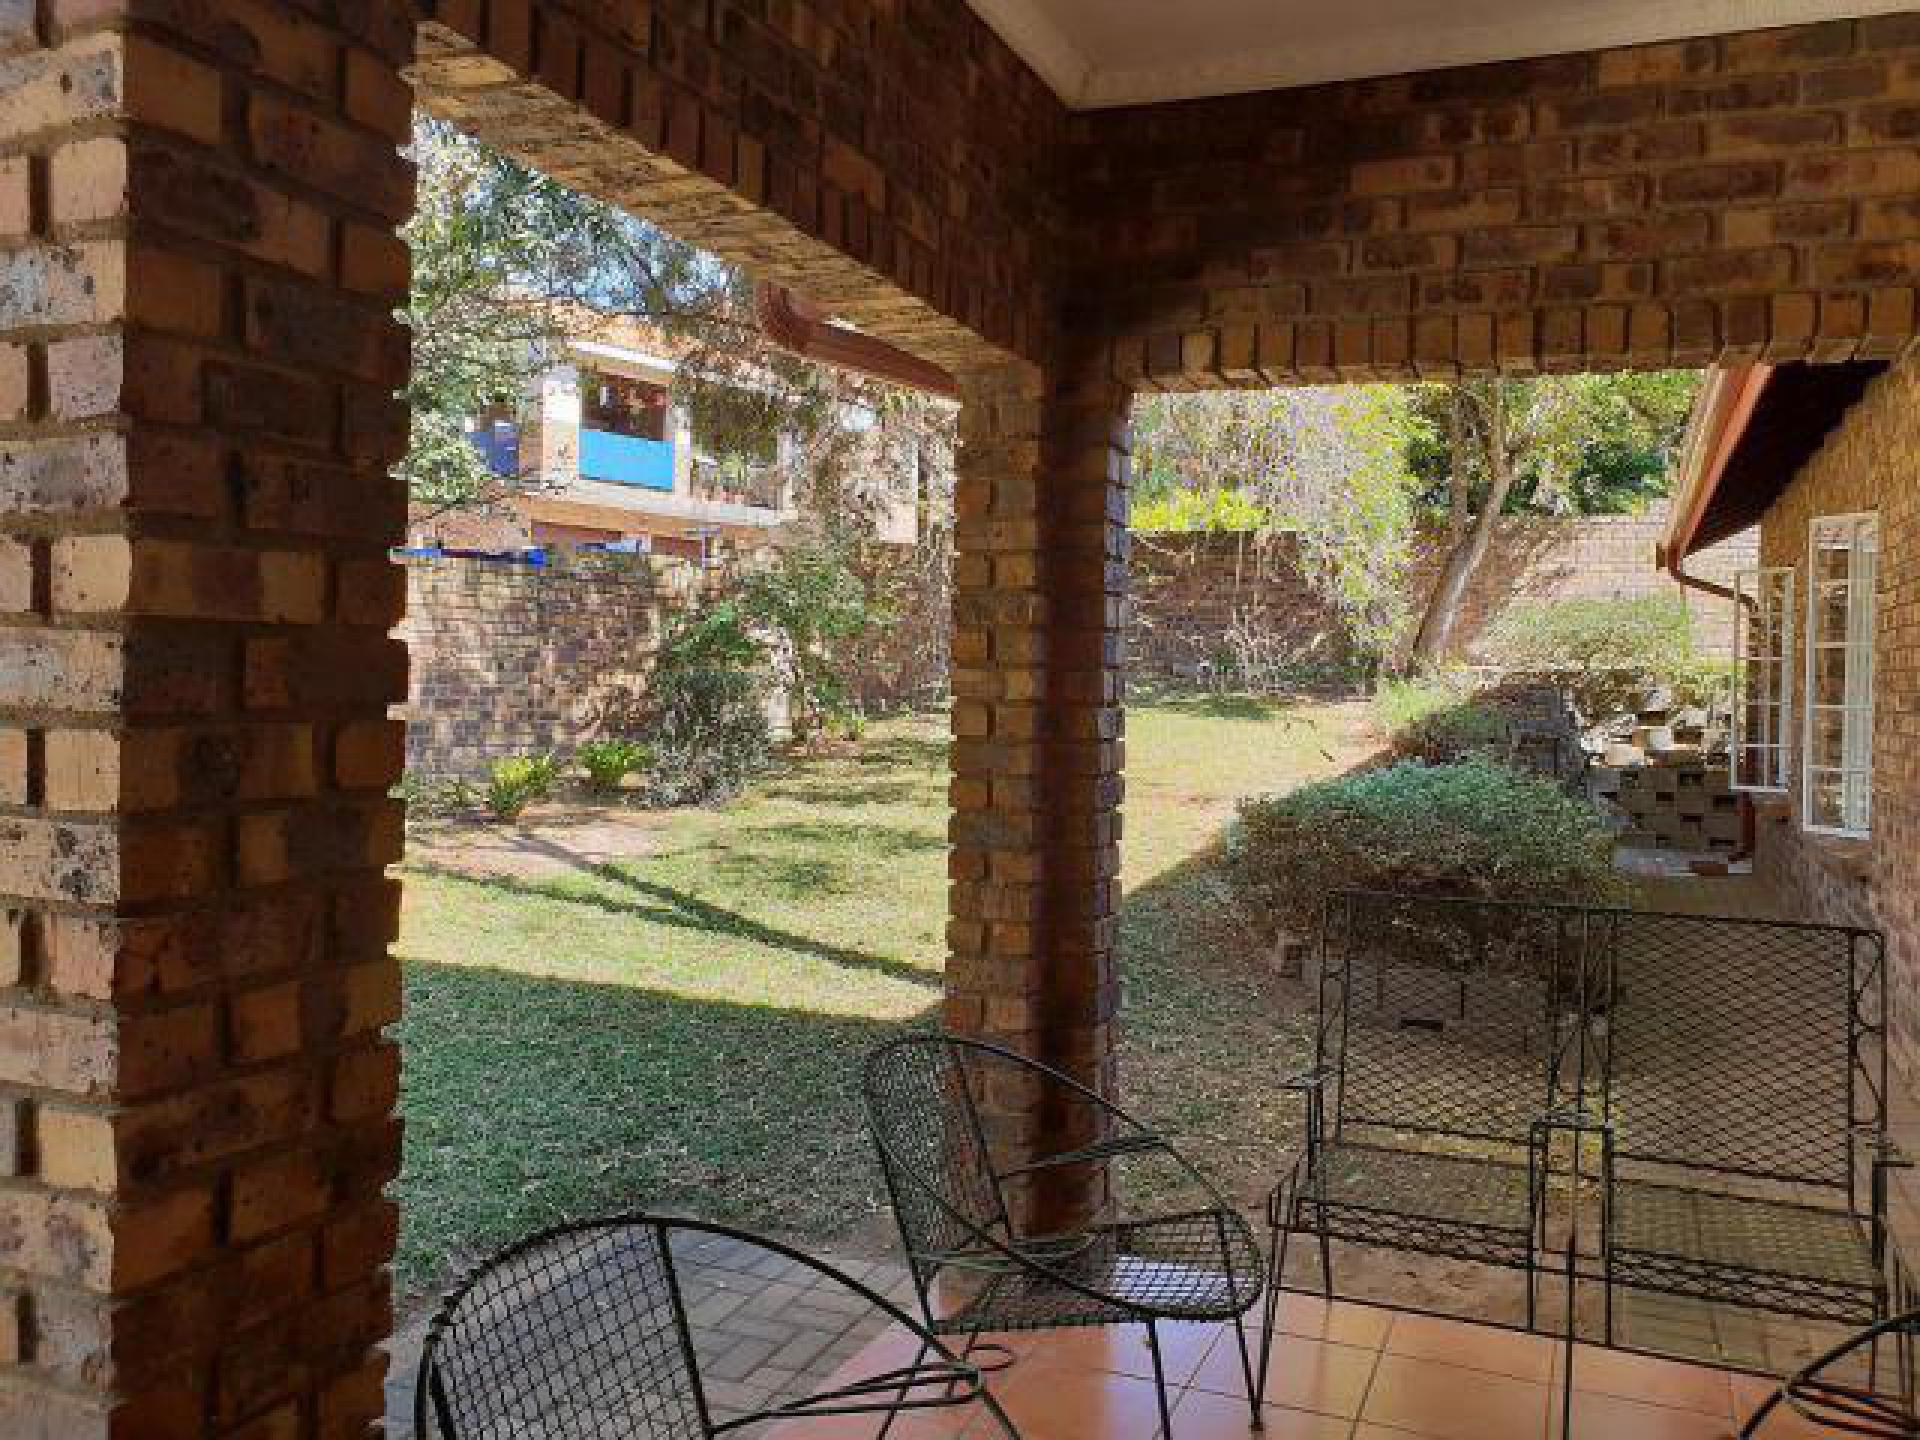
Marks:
<point>1339,1372</point>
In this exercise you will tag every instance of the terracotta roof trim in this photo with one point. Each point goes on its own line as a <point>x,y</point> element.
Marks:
<point>1722,411</point>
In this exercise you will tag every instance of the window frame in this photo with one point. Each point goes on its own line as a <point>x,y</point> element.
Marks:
<point>1780,653</point>
<point>1859,600</point>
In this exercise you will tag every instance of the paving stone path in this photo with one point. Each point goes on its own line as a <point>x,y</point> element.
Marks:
<point>765,1327</point>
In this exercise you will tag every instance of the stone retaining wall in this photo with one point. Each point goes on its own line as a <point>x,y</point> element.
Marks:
<point>1192,592</point>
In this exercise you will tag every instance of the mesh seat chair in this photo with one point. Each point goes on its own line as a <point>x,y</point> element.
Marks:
<point>586,1331</point>
<point>1168,1246</point>
<point>1746,1082</point>
<point>1821,1394</point>
<point>1447,1043</point>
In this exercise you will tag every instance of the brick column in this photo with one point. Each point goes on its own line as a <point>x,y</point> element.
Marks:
<point>197,361</point>
<point>1039,588</point>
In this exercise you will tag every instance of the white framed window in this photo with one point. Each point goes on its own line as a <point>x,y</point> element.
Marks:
<point>1762,680</point>
<point>1843,553</point>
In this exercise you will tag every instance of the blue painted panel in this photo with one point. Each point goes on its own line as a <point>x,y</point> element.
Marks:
<point>626,459</point>
<point>499,445</point>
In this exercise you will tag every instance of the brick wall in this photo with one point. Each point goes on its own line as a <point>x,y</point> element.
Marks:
<point>1189,590</point>
<point>1865,464</point>
<point>891,161</point>
<point>514,659</point>
<point>1733,196</point>
<point>198,274</point>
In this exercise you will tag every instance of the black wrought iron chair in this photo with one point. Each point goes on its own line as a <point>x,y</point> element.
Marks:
<point>1746,1082</point>
<point>1447,1050</point>
<point>1164,1246</point>
<point>586,1332</point>
<point>1820,1394</point>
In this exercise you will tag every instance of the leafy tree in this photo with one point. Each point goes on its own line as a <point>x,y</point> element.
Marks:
<point>1559,444</point>
<point>507,261</point>
<point>1327,465</point>
<point>809,600</point>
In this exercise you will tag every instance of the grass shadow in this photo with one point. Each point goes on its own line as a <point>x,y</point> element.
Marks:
<point>863,837</point>
<point>599,1097</point>
<point>663,905</point>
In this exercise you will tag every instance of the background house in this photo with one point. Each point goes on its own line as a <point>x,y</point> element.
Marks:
<point>600,453</point>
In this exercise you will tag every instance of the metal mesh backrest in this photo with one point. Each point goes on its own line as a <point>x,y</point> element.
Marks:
<point>928,1132</point>
<point>1731,1045</point>
<point>574,1336</point>
<point>1450,1017</point>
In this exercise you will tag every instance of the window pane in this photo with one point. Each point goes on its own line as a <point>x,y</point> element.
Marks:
<point>1838,727</point>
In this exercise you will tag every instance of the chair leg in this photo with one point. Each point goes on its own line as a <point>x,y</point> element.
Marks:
<point>1246,1370</point>
<point>899,1398</point>
<point>1326,1260</point>
<point>1159,1381</point>
<point>1270,1313</point>
<point>1759,1416</point>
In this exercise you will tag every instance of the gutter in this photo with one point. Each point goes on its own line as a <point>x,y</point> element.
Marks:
<point>1721,413</point>
<point>797,326</point>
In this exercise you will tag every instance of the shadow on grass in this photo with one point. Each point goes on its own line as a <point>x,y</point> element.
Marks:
<point>863,839</point>
<point>664,905</point>
<point>1207,1028</point>
<point>912,752</point>
<point>1222,707</point>
<point>827,793</point>
<point>529,1099</point>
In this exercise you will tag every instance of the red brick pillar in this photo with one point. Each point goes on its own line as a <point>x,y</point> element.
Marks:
<point>197,362</point>
<point>1039,587</point>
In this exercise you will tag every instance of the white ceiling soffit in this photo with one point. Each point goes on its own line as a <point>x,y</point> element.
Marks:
<point>1097,53</point>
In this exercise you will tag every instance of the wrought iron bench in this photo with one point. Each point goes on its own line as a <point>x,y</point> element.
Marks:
<point>1731,1074</point>
<point>1447,1034</point>
<point>1744,1083</point>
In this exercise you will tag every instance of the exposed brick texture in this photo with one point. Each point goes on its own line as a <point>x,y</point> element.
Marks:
<point>511,660</point>
<point>1039,591</point>
<point>197,273</point>
<point>1189,591</point>
<point>889,160</point>
<point>195,426</point>
<point>1865,464</point>
<point>1746,195</point>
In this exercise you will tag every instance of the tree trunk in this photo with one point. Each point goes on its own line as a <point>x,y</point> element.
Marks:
<point>1432,645</point>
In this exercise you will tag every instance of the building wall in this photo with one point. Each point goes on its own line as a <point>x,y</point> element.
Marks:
<point>511,659</point>
<point>1655,205</point>
<point>1867,463</point>
<point>1191,590</point>
<point>508,658</point>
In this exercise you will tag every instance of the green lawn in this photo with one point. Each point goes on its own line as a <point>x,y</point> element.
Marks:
<point>682,1030</point>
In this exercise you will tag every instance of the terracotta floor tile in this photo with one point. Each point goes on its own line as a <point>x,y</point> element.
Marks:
<point>1340,1321</point>
<point>1049,1402</point>
<point>1452,1403</point>
<point>1608,1417</point>
<point>1301,1375</point>
<point>1653,1381</point>
<point>1476,1347</point>
<point>1123,1349</point>
<point>1782,1424</point>
<point>1202,1416</point>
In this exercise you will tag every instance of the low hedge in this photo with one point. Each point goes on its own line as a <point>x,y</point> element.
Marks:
<point>1474,828</point>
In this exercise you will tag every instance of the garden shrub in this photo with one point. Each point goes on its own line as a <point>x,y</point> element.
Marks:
<point>1431,721</point>
<point>516,782</point>
<point>1607,656</point>
<point>707,730</point>
<point>1474,828</point>
<point>609,761</point>
<point>705,718</point>
<point>434,795</point>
